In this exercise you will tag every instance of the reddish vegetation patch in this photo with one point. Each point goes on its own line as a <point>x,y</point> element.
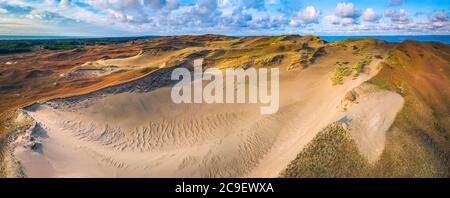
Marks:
<point>37,76</point>
<point>421,70</point>
<point>418,144</point>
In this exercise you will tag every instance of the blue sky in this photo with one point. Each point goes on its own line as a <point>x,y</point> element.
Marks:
<point>229,17</point>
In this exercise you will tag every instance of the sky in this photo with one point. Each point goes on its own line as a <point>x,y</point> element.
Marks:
<point>110,18</point>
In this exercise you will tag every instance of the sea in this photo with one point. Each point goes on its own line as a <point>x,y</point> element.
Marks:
<point>395,39</point>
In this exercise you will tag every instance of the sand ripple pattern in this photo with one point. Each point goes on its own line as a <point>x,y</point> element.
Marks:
<point>253,144</point>
<point>156,135</point>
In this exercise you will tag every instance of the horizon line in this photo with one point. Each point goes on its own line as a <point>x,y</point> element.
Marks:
<point>137,36</point>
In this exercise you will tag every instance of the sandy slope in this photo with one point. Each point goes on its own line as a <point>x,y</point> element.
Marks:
<point>370,116</point>
<point>143,134</point>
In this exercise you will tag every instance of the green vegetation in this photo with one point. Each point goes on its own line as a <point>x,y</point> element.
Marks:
<point>340,73</point>
<point>263,42</point>
<point>268,60</point>
<point>60,47</point>
<point>9,47</point>
<point>441,129</point>
<point>358,51</point>
<point>317,52</point>
<point>148,70</point>
<point>359,67</point>
<point>418,141</point>
<point>343,71</point>
<point>410,150</point>
<point>21,46</point>
<point>332,153</point>
<point>380,83</point>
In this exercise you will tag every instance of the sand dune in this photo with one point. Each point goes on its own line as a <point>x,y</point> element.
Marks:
<point>369,116</point>
<point>134,130</point>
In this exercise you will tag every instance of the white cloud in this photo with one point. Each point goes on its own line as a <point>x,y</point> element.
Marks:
<point>134,11</point>
<point>347,10</point>
<point>236,17</point>
<point>119,16</point>
<point>309,15</point>
<point>370,15</point>
<point>101,4</point>
<point>348,21</point>
<point>206,7</point>
<point>439,21</point>
<point>155,4</point>
<point>219,16</point>
<point>439,24</point>
<point>333,19</point>
<point>172,4</point>
<point>440,17</point>
<point>64,3</point>
<point>3,11</point>
<point>400,16</point>
<point>267,21</point>
<point>345,14</point>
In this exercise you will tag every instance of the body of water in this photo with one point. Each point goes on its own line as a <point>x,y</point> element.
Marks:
<point>394,39</point>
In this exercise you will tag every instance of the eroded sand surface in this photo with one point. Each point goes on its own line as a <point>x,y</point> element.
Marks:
<point>369,116</point>
<point>143,134</point>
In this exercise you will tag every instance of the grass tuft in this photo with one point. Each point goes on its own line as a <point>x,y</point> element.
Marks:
<point>359,67</point>
<point>340,73</point>
<point>333,153</point>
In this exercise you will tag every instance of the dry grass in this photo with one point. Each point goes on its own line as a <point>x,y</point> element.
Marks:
<point>8,125</point>
<point>340,73</point>
<point>333,153</point>
<point>418,144</point>
<point>359,67</point>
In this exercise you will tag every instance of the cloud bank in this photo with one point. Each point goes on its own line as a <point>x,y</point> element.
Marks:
<point>232,17</point>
